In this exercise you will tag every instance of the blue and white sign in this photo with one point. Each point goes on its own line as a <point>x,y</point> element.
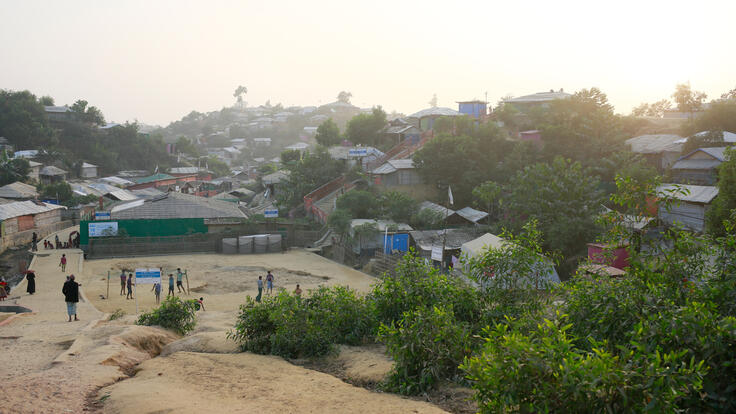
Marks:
<point>358,152</point>
<point>102,215</point>
<point>147,276</point>
<point>102,229</point>
<point>271,213</point>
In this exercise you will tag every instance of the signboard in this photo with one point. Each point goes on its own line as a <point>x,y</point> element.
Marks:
<point>437,253</point>
<point>102,229</point>
<point>358,152</point>
<point>147,276</point>
<point>271,213</point>
<point>102,215</point>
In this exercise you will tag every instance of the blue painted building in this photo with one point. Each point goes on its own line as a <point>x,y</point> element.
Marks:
<point>476,108</point>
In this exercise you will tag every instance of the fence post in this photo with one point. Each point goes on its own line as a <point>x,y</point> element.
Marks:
<point>108,285</point>
<point>186,275</point>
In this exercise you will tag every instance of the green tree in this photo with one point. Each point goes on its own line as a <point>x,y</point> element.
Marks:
<point>290,156</point>
<point>12,170</point>
<point>46,100</point>
<point>23,121</point>
<point>328,134</point>
<point>360,204</point>
<point>344,97</point>
<point>89,114</point>
<point>239,92</point>
<point>564,198</point>
<point>313,170</point>
<point>60,191</point>
<point>186,146</point>
<point>487,194</point>
<point>218,167</point>
<point>365,128</point>
<point>583,128</point>
<point>339,221</point>
<point>397,206</point>
<point>688,100</point>
<point>450,160</point>
<point>725,203</point>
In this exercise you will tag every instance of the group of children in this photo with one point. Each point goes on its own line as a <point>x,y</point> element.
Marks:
<point>157,286</point>
<point>269,286</point>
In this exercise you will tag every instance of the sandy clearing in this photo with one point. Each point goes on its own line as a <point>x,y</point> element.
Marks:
<point>187,382</point>
<point>223,280</point>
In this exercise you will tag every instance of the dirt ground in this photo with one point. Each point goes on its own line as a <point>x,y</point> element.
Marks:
<point>96,365</point>
<point>222,280</point>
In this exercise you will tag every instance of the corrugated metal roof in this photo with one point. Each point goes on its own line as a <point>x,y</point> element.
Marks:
<point>88,165</point>
<point>436,207</point>
<point>381,225</point>
<point>24,208</point>
<point>696,164</point>
<point>18,190</point>
<point>539,97</point>
<point>403,164</point>
<point>426,239</point>
<point>702,194</point>
<point>122,195</point>
<point>654,144</point>
<point>51,171</point>
<point>60,109</point>
<point>152,178</point>
<point>184,170</point>
<point>716,152</point>
<point>275,178</point>
<point>147,192</point>
<point>177,205</point>
<point>471,214</point>
<point>117,181</point>
<point>438,111</point>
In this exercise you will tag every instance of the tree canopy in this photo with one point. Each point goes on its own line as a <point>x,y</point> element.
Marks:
<point>328,133</point>
<point>364,128</point>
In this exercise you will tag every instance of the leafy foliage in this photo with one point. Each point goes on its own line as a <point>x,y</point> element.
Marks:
<point>12,170</point>
<point>416,285</point>
<point>360,204</point>
<point>725,203</point>
<point>174,313</point>
<point>292,327</point>
<point>426,346</point>
<point>543,371</point>
<point>562,196</point>
<point>364,128</point>
<point>313,170</point>
<point>328,133</point>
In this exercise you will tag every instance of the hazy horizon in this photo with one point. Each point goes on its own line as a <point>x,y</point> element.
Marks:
<point>157,62</point>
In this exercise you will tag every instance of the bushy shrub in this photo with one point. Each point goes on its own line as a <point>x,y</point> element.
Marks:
<point>543,371</point>
<point>427,345</point>
<point>699,333</point>
<point>174,314</point>
<point>292,327</point>
<point>416,285</point>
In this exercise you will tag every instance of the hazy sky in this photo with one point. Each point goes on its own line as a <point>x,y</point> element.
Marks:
<point>155,61</point>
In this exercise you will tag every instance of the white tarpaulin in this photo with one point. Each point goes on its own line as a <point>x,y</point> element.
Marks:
<point>437,253</point>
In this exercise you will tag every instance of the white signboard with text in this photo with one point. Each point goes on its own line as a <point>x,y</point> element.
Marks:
<point>271,213</point>
<point>102,229</point>
<point>147,276</point>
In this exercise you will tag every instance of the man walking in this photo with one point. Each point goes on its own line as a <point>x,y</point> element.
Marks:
<point>71,296</point>
<point>171,286</point>
<point>179,276</point>
<point>157,288</point>
<point>62,262</point>
<point>122,282</point>
<point>130,287</point>
<point>34,242</point>
<point>260,289</point>
<point>269,283</point>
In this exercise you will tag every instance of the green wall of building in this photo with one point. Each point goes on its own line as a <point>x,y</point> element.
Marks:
<point>149,228</point>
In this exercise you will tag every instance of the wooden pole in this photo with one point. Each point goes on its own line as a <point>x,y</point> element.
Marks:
<point>108,285</point>
<point>186,275</point>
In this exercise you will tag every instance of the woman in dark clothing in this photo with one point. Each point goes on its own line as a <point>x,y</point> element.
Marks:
<point>31,277</point>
